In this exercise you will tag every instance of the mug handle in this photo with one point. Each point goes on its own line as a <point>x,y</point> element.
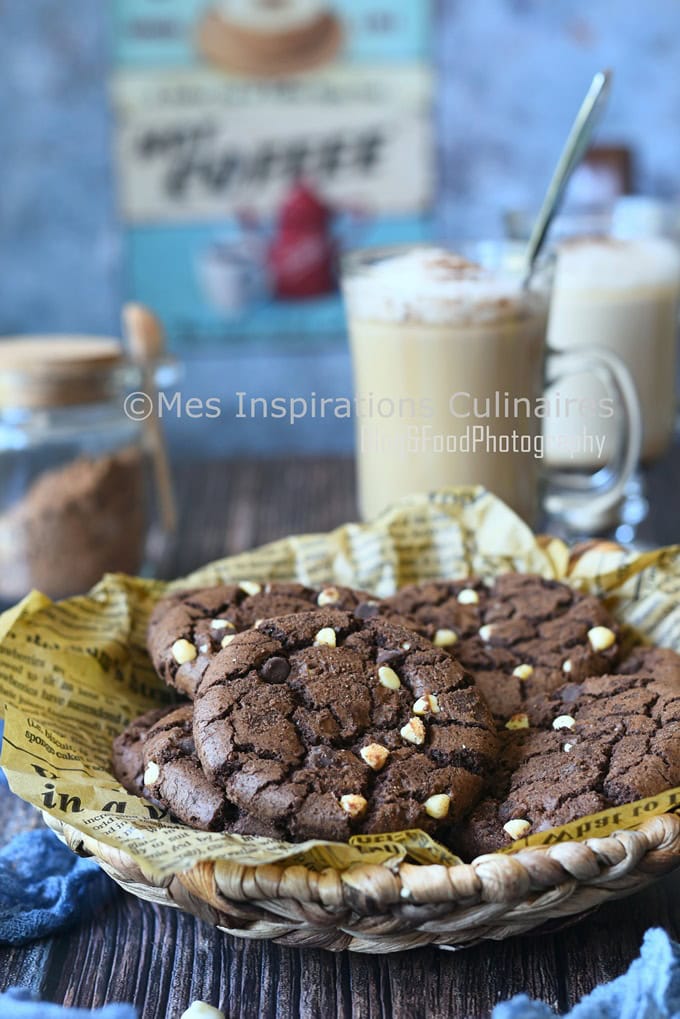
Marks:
<point>582,505</point>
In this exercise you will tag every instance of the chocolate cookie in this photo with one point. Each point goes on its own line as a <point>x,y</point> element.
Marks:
<point>324,724</point>
<point>612,739</point>
<point>127,756</point>
<point>155,757</point>
<point>187,629</point>
<point>173,775</point>
<point>520,639</point>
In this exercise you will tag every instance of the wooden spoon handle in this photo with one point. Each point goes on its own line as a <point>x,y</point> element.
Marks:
<point>146,342</point>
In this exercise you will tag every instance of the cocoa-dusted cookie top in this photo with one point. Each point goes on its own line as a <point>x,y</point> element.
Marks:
<point>188,628</point>
<point>609,740</point>
<point>325,724</point>
<point>520,638</point>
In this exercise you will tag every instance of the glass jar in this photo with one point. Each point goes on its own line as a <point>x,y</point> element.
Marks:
<point>76,498</point>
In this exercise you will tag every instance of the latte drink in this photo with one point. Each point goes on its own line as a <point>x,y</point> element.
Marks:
<point>442,347</point>
<point>620,295</point>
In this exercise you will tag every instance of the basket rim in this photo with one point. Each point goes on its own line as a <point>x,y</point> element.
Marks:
<point>638,855</point>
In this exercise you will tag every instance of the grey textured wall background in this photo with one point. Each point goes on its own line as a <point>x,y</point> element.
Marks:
<point>58,231</point>
<point>511,74</point>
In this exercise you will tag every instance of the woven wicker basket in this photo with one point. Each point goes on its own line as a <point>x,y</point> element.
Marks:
<point>375,908</point>
<point>379,908</point>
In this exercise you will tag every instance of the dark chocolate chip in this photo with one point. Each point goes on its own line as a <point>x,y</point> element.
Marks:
<point>366,610</point>
<point>275,670</point>
<point>388,655</point>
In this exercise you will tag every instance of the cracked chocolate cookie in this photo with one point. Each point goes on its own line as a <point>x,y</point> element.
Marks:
<point>187,629</point>
<point>612,739</point>
<point>155,757</point>
<point>324,724</point>
<point>173,775</point>
<point>127,756</point>
<point>520,638</point>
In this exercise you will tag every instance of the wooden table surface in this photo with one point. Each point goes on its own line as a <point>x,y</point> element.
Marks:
<point>162,960</point>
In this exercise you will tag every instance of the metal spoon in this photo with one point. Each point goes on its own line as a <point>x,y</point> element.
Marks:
<point>574,149</point>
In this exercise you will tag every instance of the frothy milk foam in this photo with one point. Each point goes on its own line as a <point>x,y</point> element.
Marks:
<point>423,326</point>
<point>621,295</point>
<point>434,286</point>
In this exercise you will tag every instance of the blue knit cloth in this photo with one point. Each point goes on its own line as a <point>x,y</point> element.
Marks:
<point>18,1003</point>
<point>45,888</point>
<point>649,990</point>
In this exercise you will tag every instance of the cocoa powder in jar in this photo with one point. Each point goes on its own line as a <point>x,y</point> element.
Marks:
<point>73,524</point>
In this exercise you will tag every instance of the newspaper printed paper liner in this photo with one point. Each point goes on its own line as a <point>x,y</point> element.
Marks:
<point>73,674</point>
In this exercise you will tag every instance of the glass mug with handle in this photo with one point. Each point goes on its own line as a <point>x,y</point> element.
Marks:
<point>450,366</point>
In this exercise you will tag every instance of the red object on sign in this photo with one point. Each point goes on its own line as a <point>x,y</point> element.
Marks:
<point>302,254</point>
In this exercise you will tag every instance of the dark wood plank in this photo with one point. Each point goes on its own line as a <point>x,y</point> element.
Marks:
<point>603,946</point>
<point>226,507</point>
<point>162,960</point>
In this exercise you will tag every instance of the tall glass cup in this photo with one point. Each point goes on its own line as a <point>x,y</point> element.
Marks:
<point>617,287</point>
<point>449,361</point>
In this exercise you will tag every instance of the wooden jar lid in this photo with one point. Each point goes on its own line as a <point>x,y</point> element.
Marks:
<point>57,371</point>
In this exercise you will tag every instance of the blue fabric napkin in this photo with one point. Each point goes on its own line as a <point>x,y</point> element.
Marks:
<point>18,1003</point>
<point>649,990</point>
<point>45,888</point>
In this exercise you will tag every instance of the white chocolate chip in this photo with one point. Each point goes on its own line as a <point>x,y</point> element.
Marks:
<point>199,1010</point>
<point>151,773</point>
<point>437,806</point>
<point>375,755</point>
<point>519,721</point>
<point>567,666</point>
<point>517,828</point>
<point>523,671</point>
<point>445,638</point>
<point>485,632</point>
<point>222,624</point>
<point>406,646</point>
<point>413,732</point>
<point>250,587</point>
<point>326,637</point>
<point>329,596</point>
<point>564,722</point>
<point>567,747</point>
<point>353,805</point>
<point>226,640</point>
<point>183,651</point>
<point>601,638</point>
<point>468,596</point>
<point>388,677</point>
<point>427,704</point>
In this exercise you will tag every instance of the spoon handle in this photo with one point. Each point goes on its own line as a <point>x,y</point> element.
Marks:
<point>574,149</point>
